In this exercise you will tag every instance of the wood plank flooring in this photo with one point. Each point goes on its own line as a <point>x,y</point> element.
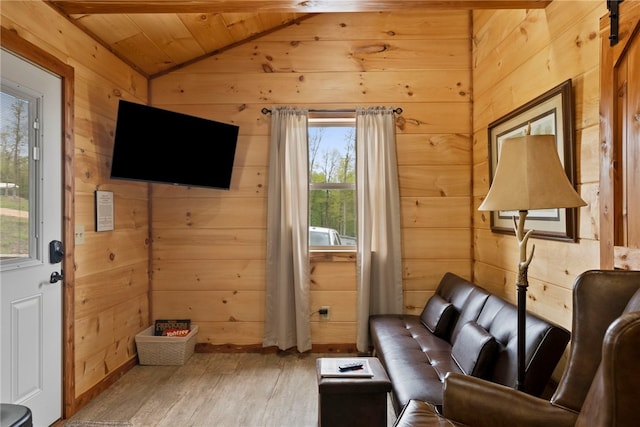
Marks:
<point>216,389</point>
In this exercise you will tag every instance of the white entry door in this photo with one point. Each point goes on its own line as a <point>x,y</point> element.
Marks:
<point>31,218</point>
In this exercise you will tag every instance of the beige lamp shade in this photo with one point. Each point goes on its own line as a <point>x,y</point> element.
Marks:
<point>530,176</point>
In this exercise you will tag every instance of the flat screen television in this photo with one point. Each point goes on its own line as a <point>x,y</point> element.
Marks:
<point>156,145</point>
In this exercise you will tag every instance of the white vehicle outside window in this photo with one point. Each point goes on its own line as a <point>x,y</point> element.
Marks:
<point>321,236</point>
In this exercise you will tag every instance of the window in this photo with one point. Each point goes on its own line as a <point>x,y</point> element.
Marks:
<point>332,183</point>
<point>17,200</point>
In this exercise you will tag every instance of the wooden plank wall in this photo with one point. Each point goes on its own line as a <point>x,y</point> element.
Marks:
<point>209,245</point>
<point>517,56</point>
<point>111,268</point>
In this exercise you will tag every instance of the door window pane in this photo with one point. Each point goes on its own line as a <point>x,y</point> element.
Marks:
<point>17,141</point>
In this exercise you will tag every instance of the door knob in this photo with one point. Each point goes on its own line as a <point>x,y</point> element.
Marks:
<point>55,277</point>
<point>56,252</point>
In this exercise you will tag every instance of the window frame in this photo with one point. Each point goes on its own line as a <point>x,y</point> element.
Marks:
<point>323,120</point>
<point>34,112</point>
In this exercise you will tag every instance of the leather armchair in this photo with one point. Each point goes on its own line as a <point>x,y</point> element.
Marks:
<point>599,386</point>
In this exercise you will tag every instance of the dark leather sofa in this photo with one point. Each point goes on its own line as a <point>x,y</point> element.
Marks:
<point>599,386</point>
<point>462,329</point>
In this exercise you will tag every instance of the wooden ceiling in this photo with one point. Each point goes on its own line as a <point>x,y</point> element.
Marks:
<point>157,36</point>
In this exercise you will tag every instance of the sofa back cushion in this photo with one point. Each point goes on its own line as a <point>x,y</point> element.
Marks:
<point>437,316</point>
<point>544,344</point>
<point>475,350</point>
<point>467,298</point>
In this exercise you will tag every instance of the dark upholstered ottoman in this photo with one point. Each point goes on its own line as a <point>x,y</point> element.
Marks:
<point>353,402</point>
<point>15,416</point>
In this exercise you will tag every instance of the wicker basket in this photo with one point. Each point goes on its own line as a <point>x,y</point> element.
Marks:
<point>154,350</point>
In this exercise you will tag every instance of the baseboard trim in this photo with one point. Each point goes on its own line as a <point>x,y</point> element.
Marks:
<point>107,381</point>
<point>258,348</point>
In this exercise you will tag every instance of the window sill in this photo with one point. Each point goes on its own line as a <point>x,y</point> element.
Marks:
<point>332,255</point>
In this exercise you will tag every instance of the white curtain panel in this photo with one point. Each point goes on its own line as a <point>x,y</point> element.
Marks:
<point>379,260</point>
<point>287,314</point>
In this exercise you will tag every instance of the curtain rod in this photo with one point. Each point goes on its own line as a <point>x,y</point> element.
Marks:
<point>395,110</point>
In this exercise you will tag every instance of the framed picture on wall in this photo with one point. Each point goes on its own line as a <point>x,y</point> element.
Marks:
<point>549,114</point>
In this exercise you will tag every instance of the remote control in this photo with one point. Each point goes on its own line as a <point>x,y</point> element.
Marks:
<point>352,366</point>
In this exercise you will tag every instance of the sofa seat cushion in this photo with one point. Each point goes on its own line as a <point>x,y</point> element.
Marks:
<point>400,335</point>
<point>422,414</point>
<point>419,381</point>
<point>475,350</point>
<point>416,360</point>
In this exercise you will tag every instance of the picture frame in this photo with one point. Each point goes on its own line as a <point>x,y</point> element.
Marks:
<point>104,210</point>
<point>549,113</point>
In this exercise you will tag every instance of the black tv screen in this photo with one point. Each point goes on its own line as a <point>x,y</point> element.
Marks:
<point>156,145</point>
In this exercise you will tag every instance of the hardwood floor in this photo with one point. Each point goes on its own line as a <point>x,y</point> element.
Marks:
<point>216,389</point>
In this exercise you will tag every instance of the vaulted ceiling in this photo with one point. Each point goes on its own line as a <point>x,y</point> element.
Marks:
<point>156,36</point>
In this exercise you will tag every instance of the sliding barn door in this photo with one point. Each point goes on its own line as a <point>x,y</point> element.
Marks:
<point>620,133</point>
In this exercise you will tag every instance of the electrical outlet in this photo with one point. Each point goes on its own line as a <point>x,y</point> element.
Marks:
<point>79,234</point>
<point>325,312</point>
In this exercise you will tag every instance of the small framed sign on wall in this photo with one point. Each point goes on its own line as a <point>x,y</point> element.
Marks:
<point>104,211</point>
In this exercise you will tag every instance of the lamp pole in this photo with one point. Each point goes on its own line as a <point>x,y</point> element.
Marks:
<point>522,283</point>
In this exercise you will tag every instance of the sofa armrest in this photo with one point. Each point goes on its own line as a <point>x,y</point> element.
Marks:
<point>478,403</point>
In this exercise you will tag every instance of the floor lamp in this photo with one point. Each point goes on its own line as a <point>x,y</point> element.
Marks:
<point>529,176</point>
